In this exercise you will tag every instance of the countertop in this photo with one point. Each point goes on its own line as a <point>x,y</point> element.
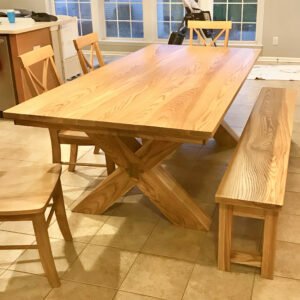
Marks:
<point>25,25</point>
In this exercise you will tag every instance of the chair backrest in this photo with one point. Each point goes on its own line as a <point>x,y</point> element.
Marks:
<point>92,41</point>
<point>45,56</point>
<point>198,26</point>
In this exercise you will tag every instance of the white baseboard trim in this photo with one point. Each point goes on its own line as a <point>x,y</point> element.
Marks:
<point>273,59</point>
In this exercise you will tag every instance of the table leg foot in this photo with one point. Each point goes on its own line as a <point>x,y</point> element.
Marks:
<point>225,136</point>
<point>172,200</point>
<point>109,191</point>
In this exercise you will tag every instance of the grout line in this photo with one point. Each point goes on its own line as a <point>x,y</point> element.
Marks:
<point>139,294</point>
<point>71,264</point>
<point>253,284</point>
<point>189,279</point>
<point>154,227</point>
<point>89,284</point>
<point>45,297</point>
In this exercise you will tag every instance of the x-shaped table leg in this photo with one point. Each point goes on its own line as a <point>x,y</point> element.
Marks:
<point>139,165</point>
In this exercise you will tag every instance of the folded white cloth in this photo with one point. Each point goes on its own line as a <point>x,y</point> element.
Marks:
<point>193,5</point>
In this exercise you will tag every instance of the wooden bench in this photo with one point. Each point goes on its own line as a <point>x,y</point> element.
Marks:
<point>254,183</point>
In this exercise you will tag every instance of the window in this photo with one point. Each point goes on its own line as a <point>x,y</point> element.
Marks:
<point>169,16</point>
<point>152,20</point>
<point>243,14</point>
<point>124,18</point>
<point>79,8</point>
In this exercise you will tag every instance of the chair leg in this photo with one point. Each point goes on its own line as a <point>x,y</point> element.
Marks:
<point>56,151</point>
<point>43,243</point>
<point>225,236</point>
<point>110,165</point>
<point>73,157</point>
<point>269,244</point>
<point>96,150</point>
<point>60,212</point>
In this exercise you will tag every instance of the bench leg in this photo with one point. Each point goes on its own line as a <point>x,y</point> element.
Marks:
<point>225,236</point>
<point>269,244</point>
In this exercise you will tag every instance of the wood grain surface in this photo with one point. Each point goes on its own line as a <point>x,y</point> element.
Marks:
<point>162,90</point>
<point>257,173</point>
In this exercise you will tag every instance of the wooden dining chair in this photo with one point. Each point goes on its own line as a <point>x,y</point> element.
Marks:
<point>37,86</point>
<point>224,27</point>
<point>25,194</point>
<point>92,41</point>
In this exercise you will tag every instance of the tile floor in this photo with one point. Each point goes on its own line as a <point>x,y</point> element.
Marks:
<point>132,252</point>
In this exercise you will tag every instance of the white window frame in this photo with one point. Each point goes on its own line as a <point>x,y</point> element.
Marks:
<point>150,23</point>
<point>259,24</point>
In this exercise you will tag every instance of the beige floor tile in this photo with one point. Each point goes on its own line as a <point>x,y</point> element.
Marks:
<point>24,135</point>
<point>292,183</point>
<point>289,228</point>
<point>296,126</point>
<point>248,228</point>
<point>83,226</point>
<point>103,266</point>
<point>208,252</point>
<point>78,291</point>
<point>124,233</point>
<point>210,283</point>
<point>129,296</point>
<point>136,207</point>
<point>73,195</point>
<point>291,204</point>
<point>294,165</point>
<point>90,157</point>
<point>21,286</point>
<point>65,152</point>
<point>287,262</point>
<point>173,241</point>
<point>2,271</point>
<point>158,277</point>
<point>25,227</point>
<point>277,289</point>
<point>7,257</point>
<point>84,177</point>
<point>247,233</point>
<point>64,253</point>
<point>295,145</point>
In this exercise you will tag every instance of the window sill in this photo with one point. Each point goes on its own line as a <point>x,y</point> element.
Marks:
<point>125,45</point>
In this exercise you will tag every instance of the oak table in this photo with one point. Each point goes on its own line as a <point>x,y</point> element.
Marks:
<point>166,95</point>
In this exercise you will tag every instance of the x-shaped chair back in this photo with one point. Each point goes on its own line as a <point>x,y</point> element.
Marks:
<point>45,56</point>
<point>198,26</point>
<point>92,41</point>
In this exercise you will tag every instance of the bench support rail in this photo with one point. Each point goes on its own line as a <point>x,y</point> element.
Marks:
<point>226,255</point>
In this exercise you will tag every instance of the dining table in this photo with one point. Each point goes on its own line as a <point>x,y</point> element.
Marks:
<point>139,110</point>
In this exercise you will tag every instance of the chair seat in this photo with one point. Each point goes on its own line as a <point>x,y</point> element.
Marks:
<point>74,137</point>
<point>27,190</point>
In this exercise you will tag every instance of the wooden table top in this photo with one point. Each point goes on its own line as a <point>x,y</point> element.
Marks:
<point>180,92</point>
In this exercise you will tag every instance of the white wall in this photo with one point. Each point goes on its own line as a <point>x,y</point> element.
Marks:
<point>35,5</point>
<point>282,19</point>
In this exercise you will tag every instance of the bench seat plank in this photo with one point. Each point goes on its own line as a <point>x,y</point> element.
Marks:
<point>257,173</point>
